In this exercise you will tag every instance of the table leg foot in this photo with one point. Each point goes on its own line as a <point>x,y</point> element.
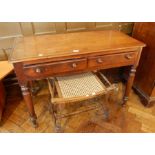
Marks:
<point>129,84</point>
<point>124,101</point>
<point>33,121</point>
<point>28,100</point>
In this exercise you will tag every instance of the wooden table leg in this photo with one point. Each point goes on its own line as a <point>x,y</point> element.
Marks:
<point>129,84</point>
<point>28,100</point>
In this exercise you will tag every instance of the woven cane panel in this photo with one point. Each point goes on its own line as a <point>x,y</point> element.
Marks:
<point>84,84</point>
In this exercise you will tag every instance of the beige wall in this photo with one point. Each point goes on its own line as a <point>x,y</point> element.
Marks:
<point>9,30</point>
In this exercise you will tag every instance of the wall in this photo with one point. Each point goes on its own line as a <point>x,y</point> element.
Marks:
<point>10,30</point>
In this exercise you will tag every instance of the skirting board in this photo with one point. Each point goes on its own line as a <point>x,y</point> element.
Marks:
<point>146,100</point>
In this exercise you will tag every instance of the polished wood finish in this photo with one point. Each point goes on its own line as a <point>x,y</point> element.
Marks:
<point>72,44</point>
<point>70,53</point>
<point>110,61</point>
<point>129,82</point>
<point>28,100</point>
<point>145,77</point>
<point>10,30</point>
<point>46,69</point>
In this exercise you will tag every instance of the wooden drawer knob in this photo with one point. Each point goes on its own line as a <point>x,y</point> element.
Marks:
<point>74,65</point>
<point>128,56</point>
<point>38,70</point>
<point>99,60</point>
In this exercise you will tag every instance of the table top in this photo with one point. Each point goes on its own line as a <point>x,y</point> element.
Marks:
<point>70,44</point>
<point>5,69</point>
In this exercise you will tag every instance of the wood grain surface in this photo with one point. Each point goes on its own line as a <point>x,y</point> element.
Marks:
<point>79,43</point>
<point>5,69</point>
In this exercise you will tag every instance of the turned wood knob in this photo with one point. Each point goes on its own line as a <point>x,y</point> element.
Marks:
<point>38,70</point>
<point>128,56</point>
<point>99,60</point>
<point>74,65</point>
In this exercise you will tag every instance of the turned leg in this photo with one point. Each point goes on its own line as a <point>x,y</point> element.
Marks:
<point>58,120</point>
<point>28,100</point>
<point>129,84</point>
<point>53,113</point>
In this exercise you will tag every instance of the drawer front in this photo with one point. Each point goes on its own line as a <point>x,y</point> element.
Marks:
<point>114,60</point>
<point>55,68</point>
